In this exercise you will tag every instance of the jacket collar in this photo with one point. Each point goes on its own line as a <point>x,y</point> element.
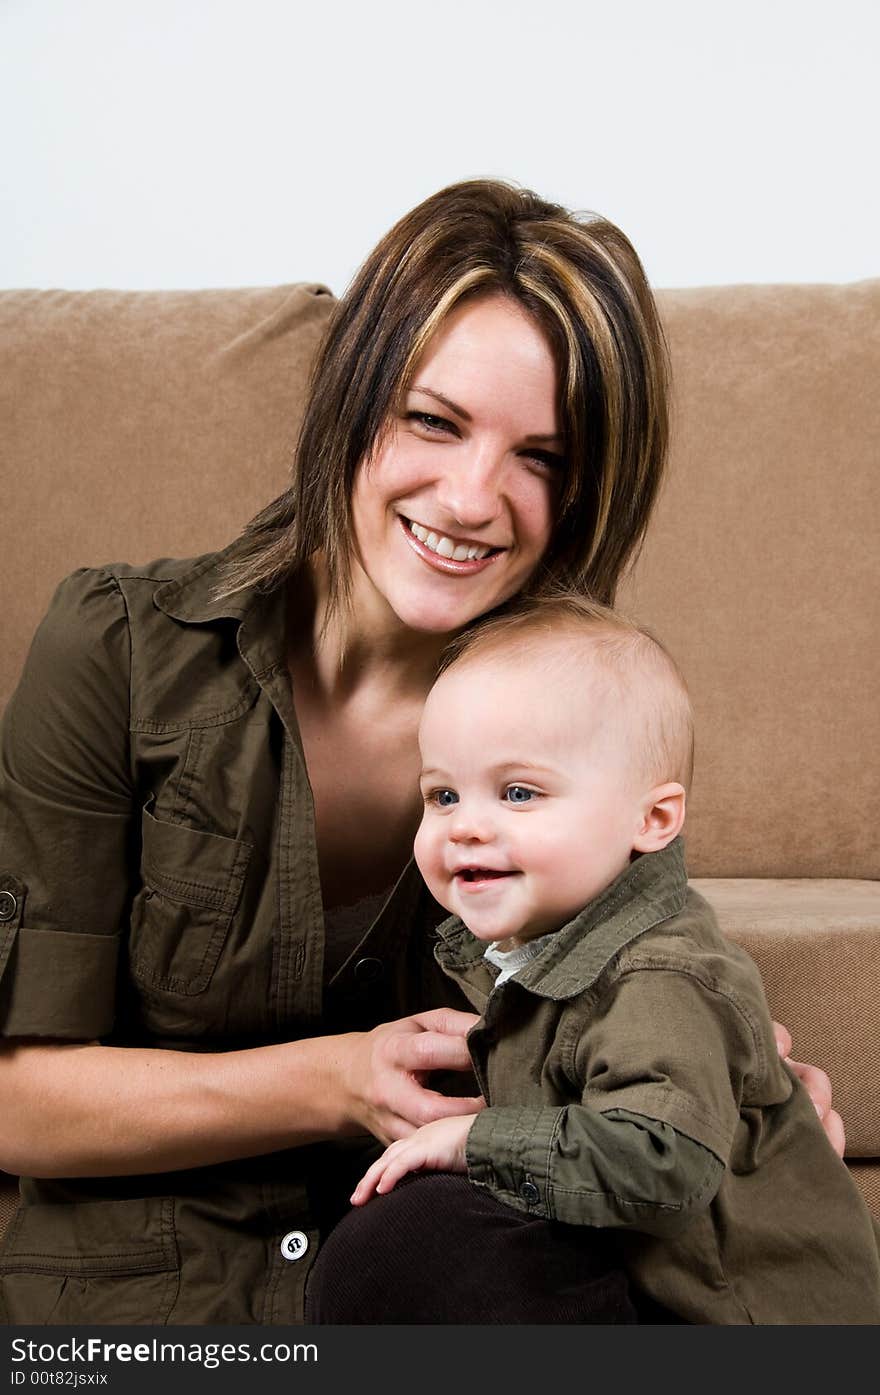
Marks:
<point>189,597</point>
<point>260,614</point>
<point>650,890</point>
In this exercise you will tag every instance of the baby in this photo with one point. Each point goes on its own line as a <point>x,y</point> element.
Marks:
<point>625,1050</point>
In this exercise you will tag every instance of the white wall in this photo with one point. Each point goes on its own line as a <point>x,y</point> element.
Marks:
<point>177,143</point>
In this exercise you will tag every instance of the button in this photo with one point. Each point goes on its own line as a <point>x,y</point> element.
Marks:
<point>367,971</point>
<point>8,905</point>
<point>530,1194</point>
<point>294,1245</point>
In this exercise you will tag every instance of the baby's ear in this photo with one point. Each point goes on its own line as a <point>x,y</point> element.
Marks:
<point>662,817</point>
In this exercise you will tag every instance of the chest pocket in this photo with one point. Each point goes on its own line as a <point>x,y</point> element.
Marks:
<point>180,918</point>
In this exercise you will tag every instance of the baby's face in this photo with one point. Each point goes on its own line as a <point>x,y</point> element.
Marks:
<point>532,799</point>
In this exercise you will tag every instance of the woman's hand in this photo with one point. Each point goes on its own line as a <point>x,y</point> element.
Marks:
<point>384,1072</point>
<point>818,1087</point>
<point>437,1147</point>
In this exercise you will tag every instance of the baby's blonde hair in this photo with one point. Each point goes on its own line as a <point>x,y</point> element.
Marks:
<point>642,675</point>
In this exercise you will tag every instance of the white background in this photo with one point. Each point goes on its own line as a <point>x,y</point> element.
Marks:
<point>186,143</point>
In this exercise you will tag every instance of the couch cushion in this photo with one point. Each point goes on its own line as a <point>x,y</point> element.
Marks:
<point>762,573</point>
<point>817,945</point>
<point>866,1176</point>
<point>140,424</point>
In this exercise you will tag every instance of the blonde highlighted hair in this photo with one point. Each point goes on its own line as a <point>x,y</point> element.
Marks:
<point>583,284</point>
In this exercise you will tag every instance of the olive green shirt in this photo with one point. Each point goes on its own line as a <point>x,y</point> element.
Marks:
<point>159,887</point>
<point>633,1082</point>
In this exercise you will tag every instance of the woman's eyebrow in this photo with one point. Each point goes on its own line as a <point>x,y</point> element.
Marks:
<point>438,397</point>
<point>466,416</point>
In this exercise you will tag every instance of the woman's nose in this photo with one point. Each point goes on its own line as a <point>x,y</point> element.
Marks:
<point>470,488</point>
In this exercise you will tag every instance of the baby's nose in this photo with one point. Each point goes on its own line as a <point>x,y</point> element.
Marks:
<point>470,825</point>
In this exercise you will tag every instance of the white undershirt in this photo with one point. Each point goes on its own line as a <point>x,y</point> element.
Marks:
<point>509,960</point>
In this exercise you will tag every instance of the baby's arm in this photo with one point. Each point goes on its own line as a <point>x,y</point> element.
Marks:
<point>656,1082</point>
<point>435,1147</point>
<point>670,1174</point>
<point>655,1085</point>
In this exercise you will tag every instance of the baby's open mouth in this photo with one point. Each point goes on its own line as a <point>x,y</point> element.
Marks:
<point>482,874</point>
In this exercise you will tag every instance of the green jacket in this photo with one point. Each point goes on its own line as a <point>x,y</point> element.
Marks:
<point>159,887</point>
<point>633,1081</point>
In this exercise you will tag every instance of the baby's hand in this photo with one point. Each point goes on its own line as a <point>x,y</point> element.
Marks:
<point>436,1147</point>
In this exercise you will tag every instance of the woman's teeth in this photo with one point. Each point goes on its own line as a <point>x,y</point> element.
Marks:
<point>445,547</point>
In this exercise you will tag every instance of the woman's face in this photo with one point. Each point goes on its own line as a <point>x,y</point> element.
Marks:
<point>456,507</point>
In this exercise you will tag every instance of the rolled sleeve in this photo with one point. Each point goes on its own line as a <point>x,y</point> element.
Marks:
<point>65,817</point>
<point>582,1168</point>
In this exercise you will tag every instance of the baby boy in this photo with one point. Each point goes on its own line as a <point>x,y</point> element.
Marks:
<point>625,1051</point>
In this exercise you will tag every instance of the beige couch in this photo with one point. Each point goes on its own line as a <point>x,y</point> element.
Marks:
<point>137,425</point>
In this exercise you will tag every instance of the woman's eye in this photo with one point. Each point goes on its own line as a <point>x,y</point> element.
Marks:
<point>550,463</point>
<point>430,422</point>
<point>518,794</point>
<point>444,799</point>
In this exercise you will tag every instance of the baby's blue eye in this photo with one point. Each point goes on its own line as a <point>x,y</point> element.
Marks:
<point>518,794</point>
<point>444,798</point>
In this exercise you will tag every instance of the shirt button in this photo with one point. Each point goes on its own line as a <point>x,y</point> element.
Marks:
<point>530,1194</point>
<point>294,1245</point>
<point>367,971</point>
<point>8,905</point>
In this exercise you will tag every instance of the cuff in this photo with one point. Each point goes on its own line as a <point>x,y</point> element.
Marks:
<point>508,1150</point>
<point>59,983</point>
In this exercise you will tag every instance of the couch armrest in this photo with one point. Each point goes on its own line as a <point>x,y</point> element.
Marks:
<point>817,945</point>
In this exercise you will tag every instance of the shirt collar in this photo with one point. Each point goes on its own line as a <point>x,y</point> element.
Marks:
<point>648,891</point>
<point>260,614</point>
<point>189,597</point>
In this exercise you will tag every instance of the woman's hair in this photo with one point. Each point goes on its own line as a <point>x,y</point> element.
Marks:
<point>583,284</point>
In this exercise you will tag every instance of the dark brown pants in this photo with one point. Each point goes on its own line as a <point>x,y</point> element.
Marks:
<point>437,1249</point>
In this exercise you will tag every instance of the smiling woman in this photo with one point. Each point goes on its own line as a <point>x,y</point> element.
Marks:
<point>572,353</point>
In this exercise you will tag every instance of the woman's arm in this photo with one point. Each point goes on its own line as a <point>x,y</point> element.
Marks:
<point>89,1110</point>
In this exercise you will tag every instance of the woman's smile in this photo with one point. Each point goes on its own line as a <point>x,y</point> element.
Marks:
<point>450,554</point>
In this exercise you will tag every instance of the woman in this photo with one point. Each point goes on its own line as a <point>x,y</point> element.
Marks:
<point>219,756</point>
